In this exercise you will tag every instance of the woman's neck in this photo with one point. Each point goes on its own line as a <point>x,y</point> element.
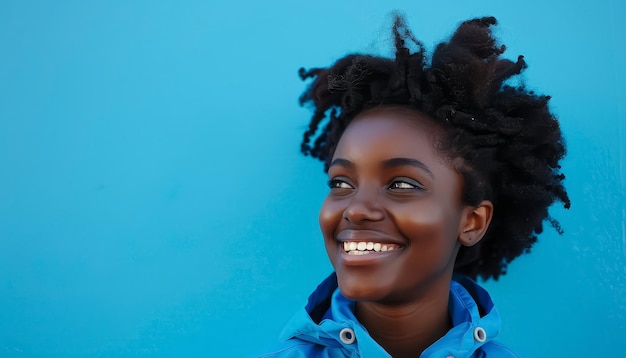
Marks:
<point>406,330</point>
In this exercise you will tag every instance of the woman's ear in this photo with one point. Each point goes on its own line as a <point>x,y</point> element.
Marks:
<point>475,223</point>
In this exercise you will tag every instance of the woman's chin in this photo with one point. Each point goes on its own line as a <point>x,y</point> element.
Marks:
<point>361,291</point>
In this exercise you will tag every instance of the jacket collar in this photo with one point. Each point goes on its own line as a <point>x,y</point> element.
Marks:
<point>328,312</point>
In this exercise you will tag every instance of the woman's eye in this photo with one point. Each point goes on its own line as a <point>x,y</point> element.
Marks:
<point>338,184</point>
<point>401,185</point>
<point>405,184</point>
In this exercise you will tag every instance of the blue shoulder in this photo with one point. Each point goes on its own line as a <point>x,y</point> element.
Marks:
<point>294,348</point>
<point>289,348</point>
<point>494,349</point>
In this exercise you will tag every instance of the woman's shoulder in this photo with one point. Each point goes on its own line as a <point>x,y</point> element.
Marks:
<point>295,348</point>
<point>496,349</point>
<point>287,349</point>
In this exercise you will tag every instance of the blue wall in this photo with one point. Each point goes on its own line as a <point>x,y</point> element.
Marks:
<point>153,201</point>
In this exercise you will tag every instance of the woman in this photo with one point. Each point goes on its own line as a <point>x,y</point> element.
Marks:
<point>438,174</point>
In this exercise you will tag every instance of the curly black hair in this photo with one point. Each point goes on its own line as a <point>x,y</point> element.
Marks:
<point>501,138</point>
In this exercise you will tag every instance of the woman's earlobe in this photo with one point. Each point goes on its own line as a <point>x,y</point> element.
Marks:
<point>477,220</point>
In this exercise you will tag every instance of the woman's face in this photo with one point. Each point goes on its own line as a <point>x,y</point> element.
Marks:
<point>392,219</point>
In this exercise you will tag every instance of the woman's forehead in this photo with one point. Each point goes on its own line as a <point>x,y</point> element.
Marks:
<point>402,122</point>
<point>388,133</point>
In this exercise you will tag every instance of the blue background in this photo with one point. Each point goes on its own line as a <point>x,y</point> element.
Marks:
<point>153,201</point>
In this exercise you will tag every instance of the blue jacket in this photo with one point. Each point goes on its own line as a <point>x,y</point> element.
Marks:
<point>327,327</point>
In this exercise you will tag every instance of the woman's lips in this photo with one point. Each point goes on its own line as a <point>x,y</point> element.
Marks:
<point>361,247</point>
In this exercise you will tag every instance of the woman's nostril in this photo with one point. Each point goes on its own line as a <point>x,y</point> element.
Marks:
<point>358,212</point>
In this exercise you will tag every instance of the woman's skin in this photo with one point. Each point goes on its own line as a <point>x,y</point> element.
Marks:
<point>392,192</point>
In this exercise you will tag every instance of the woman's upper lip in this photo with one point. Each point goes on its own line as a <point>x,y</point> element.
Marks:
<point>367,235</point>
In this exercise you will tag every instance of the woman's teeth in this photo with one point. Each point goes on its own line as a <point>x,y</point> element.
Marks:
<point>363,247</point>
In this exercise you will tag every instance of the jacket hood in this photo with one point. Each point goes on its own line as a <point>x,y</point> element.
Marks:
<point>328,320</point>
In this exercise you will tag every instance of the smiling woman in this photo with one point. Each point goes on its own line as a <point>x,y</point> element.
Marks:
<point>390,187</point>
<point>438,174</point>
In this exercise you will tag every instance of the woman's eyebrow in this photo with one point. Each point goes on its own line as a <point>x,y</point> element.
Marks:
<point>342,162</point>
<point>400,162</point>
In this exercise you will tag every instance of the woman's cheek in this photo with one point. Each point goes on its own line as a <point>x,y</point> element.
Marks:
<point>330,217</point>
<point>421,223</point>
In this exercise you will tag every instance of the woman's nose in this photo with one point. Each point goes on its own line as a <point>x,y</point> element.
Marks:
<point>364,206</point>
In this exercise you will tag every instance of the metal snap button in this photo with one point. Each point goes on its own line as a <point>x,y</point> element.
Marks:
<point>480,335</point>
<point>347,336</point>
